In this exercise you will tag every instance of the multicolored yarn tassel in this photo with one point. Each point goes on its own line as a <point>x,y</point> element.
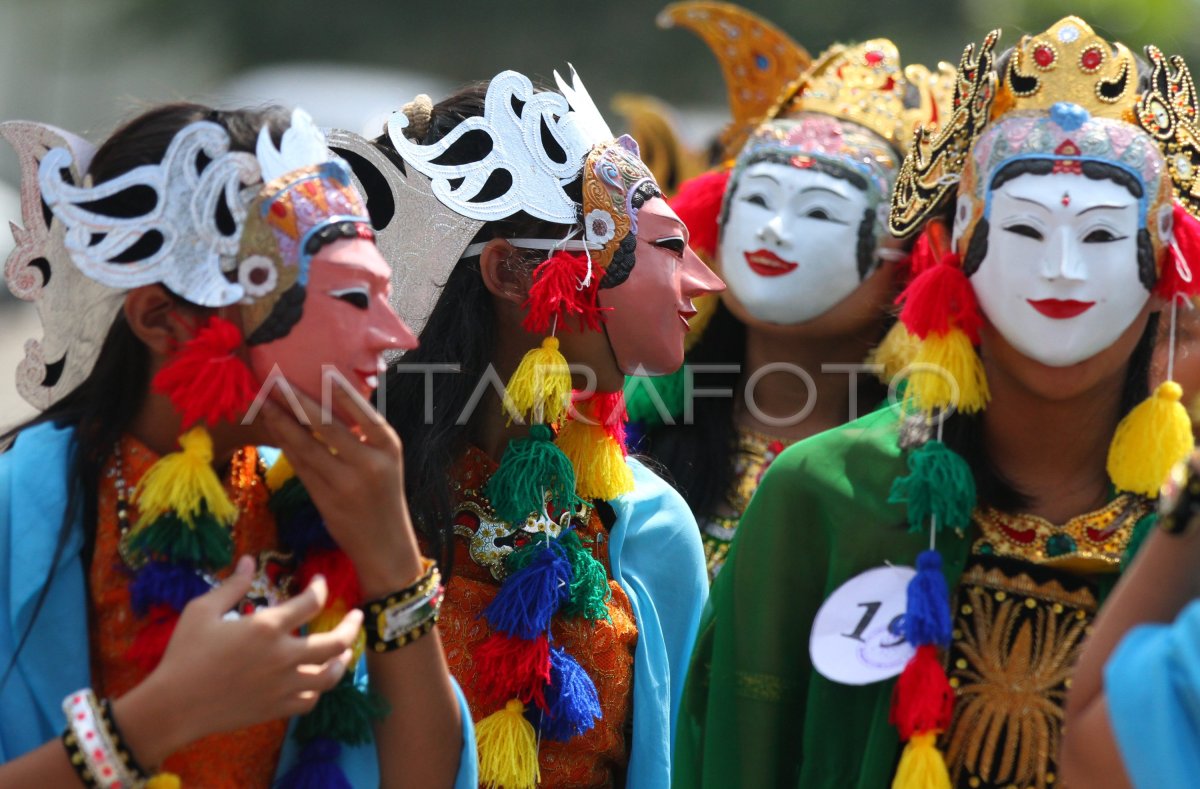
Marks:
<point>531,469</point>
<point>540,387</point>
<point>508,751</point>
<point>593,443</point>
<point>940,488</point>
<point>940,312</point>
<point>184,483</point>
<point>572,705</point>
<point>182,533</point>
<point>1152,438</point>
<point>558,295</point>
<point>517,664</point>
<point>205,379</point>
<point>345,715</point>
<point>1157,433</point>
<point>940,309</point>
<point>895,352</point>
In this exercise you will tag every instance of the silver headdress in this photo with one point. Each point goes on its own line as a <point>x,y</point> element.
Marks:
<point>190,250</point>
<point>75,311</point>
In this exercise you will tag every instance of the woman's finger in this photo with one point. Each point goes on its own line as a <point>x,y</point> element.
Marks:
<point>301,609</point>
<point>304,452</point>
<point>321,677</point>
<point>374,427</point>
<point>317,648</point>
<point>327,429</point>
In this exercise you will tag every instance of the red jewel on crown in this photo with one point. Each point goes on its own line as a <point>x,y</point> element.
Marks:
<point>1044,56</point>
<point>1071,166</point>
<point>1091,59</point>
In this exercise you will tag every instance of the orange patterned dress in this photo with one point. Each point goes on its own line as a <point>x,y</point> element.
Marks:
<point>233,760</point>
<point>604,649</point>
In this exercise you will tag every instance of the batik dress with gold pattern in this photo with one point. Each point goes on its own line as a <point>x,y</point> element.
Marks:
<point>755,452</point>
<point>1023,593</point>
<point>1024,604</point>
<point>605,649</point>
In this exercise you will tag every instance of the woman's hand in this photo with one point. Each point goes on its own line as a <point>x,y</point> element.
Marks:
<point>223,674</point>
<point>354,474</point>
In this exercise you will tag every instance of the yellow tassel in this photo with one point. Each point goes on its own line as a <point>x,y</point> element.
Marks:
<point>184,482</point>
<point>600,468</point>
<point>941,362</point>
<point>329,618</point>
<point>895,352</point>
<point>1152,438</point>
<point>921,765</point>
<point>541,386</point>
<point>164,781</point>
<point>279,473</point>
<point>507,746</point>
<point>706,308</point>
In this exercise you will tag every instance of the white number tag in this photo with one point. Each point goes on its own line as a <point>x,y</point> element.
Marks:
<point>857,637</point>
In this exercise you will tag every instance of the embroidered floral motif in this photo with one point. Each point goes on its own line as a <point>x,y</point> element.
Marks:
<point>1016,640</point>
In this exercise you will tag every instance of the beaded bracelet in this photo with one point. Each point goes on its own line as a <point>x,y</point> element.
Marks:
<point>94,746</point>
<point>403,617</point>
<point>1179,502</point>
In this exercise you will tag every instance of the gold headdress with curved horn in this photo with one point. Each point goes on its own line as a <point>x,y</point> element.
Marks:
<point>758,60</point>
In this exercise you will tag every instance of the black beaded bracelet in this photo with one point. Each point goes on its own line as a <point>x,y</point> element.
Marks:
<point>1179,503</point>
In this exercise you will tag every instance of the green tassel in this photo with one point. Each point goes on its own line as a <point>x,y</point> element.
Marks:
<point>291,496</point>
<point>640,404</point>
<point>531,468</point>
<point>590,591</point>
<point>520,558</point>
<point>939,483</point>
<point>205,544</point>
<point>345,714</point>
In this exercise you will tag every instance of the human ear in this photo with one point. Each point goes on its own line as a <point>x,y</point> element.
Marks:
<point>154,317</point>
<point>502,272</point>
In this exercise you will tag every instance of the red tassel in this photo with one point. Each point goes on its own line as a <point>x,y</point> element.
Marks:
<point>608,410</point>
<point>513,667</point>
<point>941,298</point>
<point>931,248</point>
<point>150,643</point>
<point>205,379</point>
<point>1181,275</point>
<point>922,699</point>
<point>339,575</point>
<point>698,204</point>
<point>556,293</point>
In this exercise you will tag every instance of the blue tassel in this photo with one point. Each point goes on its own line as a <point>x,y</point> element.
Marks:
<point>305,531</point>
<point>927,618</point>
<point>165,583</point>
<point>529,597</point>
<point>939,483</point>
<point>316,768</point>
<point>572,705</point>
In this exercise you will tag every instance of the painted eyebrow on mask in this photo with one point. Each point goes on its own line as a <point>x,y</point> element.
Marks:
<point>1031,201</point>
<point>766,176</point>
<point>1097,207</point>
<point>807,189</point>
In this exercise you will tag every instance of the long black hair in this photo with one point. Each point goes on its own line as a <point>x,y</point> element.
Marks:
<point>102,408</point>
<point>460,331</point>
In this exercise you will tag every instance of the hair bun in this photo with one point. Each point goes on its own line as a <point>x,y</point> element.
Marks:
<point>419,112</point>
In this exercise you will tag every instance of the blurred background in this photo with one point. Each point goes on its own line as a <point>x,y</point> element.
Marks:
<point>85,65</point>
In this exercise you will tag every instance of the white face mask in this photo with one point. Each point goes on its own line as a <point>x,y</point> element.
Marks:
<point>789,246</point>
<point>1060,277</point>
